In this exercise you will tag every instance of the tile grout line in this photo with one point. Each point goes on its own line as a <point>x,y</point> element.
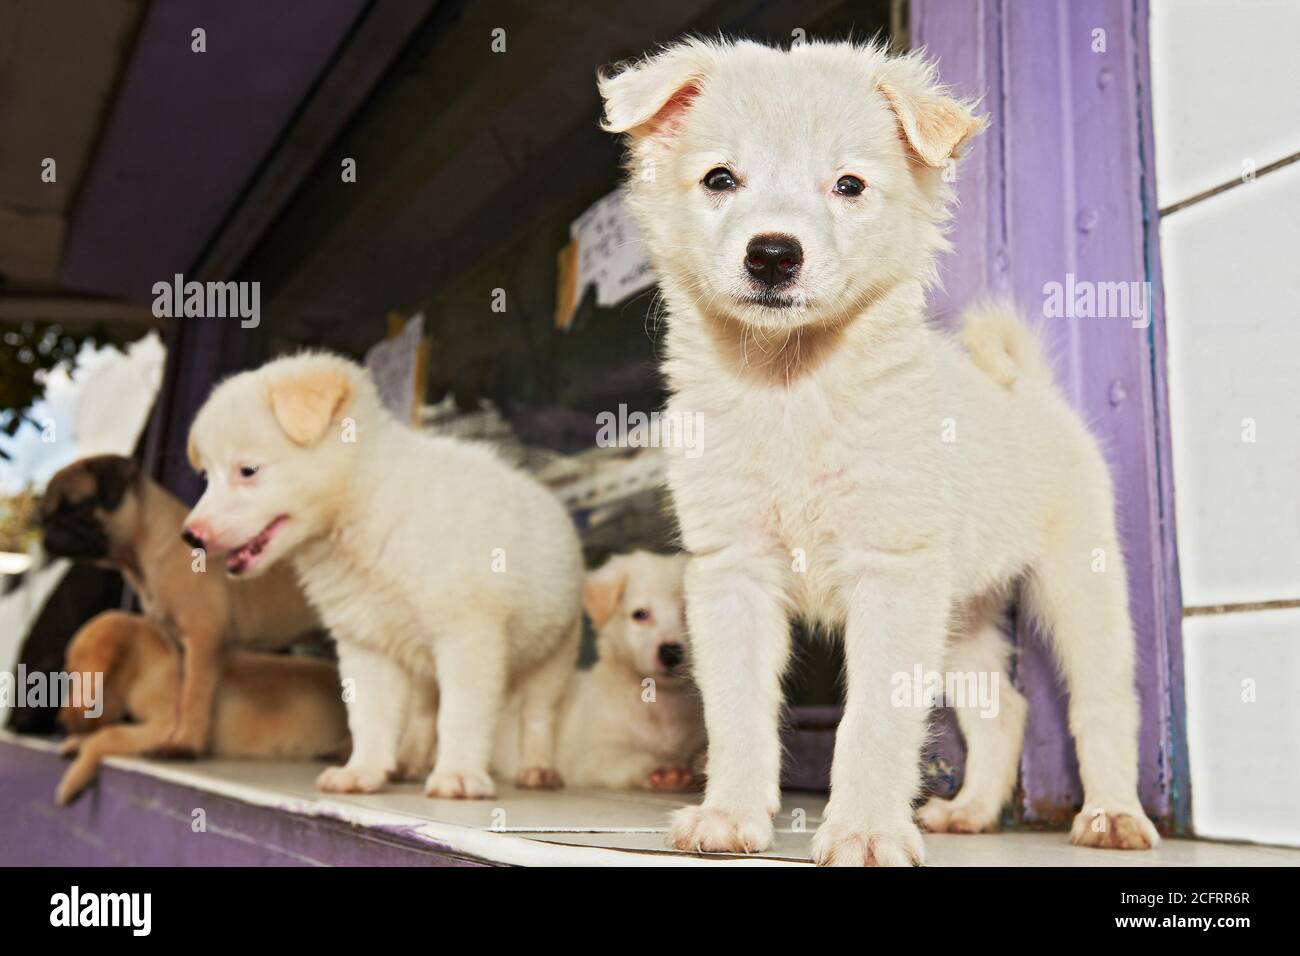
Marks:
<point>1212,609</point>
<point>1230,184</point>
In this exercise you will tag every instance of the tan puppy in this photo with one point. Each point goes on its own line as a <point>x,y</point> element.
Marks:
<point>105,510</point>
<point>268,705</point>
<point>633,720</point>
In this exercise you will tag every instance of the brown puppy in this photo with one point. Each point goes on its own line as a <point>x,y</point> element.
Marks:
<point>105,510</point>
<point>267,705</point>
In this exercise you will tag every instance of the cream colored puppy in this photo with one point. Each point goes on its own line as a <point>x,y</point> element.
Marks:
<point>450,580</point>
<point>858,468</point>
<point>634,719</point>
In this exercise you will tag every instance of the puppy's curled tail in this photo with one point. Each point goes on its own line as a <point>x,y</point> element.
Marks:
<point>1002,345</point>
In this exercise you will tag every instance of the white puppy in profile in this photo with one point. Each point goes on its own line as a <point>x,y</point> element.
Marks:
<point>634,719</point>
<point>858,467</point>
<point>449,580</point>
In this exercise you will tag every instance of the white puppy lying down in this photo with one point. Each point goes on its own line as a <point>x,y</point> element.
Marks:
<point>634,719</point>
<point>449,580</point>
<point>859,468</point>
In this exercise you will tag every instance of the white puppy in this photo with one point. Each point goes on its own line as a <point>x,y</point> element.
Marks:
<point>634,719</point>
<point>449,580</point>
<point>858,468</point>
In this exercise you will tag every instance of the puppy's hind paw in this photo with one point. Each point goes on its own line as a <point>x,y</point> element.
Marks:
<point>837,845</point>
<point>953,816</point>
<point>539,778</point>
<point>352,780</point>
<point>714,830</point>
<point>457,785</point>
<point>1113,830</point>
<point>672,779</point>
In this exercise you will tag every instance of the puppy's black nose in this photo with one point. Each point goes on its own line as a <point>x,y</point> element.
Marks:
<point>670,655</point>
<point>190,538</point>
<point>773,260</point>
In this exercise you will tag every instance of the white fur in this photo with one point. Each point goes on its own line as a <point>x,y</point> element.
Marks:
<point>627,722</point>
<point>828,486</point>
<point>448,579</point>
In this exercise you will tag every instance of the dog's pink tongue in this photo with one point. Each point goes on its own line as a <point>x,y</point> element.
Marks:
<point>239,559</point>
<point>236,561</point>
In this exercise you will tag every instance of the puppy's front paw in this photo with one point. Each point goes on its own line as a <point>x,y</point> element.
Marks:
<point>838,845</point>
<point>539,778</point>
<point>672,779</point>
<point>953,816</point>
<point>713,830</point>
<point>183,743</point>
<point>1113,829</point>
<point>352,780</point>
<point>458,785</point>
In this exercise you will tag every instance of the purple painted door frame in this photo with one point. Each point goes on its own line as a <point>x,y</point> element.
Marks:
<point>1062,184</point>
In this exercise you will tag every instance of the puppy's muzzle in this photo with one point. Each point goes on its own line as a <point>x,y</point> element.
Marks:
<point>773,260</point>
<point>671,655</point>
<point>66,537</point>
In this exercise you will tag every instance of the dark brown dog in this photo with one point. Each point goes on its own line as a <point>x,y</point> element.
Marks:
<point>267,705</point>
<point>105,510</point>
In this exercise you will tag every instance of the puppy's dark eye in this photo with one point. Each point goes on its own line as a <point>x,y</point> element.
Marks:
<point>849,186</point>
<point>719,180</point>
<point>641,614</point>
<point>247,471</point>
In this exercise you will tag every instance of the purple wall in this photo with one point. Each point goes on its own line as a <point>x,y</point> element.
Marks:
<point>1063,183</point>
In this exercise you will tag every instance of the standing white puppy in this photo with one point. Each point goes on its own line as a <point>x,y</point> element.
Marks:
<point>634,719</point>
<point>859,469</point>
<point>448,579</point>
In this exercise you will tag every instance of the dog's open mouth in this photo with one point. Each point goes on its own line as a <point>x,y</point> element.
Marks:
<point>249,553</point>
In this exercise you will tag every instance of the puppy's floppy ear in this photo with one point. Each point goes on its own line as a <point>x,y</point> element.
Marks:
<point>603,590</point>
<point>652,95</point>
<point>305,404</point>
<point>114,474</point>
<point>934,124</point>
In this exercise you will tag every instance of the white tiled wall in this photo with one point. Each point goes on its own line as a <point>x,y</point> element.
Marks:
<point>1232,293</point>
<point>1226,90</point>
<point>1225,77</point>
<point>1242,677</point>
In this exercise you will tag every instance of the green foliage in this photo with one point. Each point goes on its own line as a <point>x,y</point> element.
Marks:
<point>18,520</point>
<point>28,352</point>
